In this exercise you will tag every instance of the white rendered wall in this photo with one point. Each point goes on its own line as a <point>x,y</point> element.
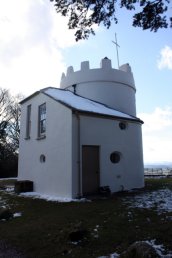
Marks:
<point>113,87</point>
<point>129,172</point>
<point>55,175</point>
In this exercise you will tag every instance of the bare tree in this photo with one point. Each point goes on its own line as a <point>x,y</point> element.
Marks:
<point>14,123</point>
<point>5,115</point>
<point>9,132</point>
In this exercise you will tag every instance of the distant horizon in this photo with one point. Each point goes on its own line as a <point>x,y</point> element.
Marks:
<point>157,164</point>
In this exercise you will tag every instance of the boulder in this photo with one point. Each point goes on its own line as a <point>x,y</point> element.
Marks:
<point>5,214</point>
<point>77,233</point>
<point>140,250</point>
<point>77,236</point>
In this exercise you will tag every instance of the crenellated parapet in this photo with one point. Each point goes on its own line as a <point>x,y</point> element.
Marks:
<point>105,73</point>
<point>105,84</point>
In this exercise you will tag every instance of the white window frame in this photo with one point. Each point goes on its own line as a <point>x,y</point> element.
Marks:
<point>42,120</point>
<point>28,121</point>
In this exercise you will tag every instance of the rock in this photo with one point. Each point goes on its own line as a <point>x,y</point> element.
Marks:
<point>77,233</point>
<point>77,236</point>
<point>5,214</point>
<point>140,250</point>
<point>23,186</point>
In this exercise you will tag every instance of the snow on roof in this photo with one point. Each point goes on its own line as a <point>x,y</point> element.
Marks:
<point>83,104</point>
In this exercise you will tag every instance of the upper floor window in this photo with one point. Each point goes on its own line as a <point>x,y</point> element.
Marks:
<point>28,122</point>
<point>42,120</point>
<point>123,125</point>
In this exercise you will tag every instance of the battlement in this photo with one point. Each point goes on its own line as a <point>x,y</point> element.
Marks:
<point>112,87</point>
<point>104,73</point>
<point>104,64</point>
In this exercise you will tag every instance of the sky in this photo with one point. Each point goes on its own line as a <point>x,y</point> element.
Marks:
<point>36,47</point>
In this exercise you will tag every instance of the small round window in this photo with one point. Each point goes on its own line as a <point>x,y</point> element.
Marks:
<point>122,125</point>
<point>115,157</point>
<point>42,158</point>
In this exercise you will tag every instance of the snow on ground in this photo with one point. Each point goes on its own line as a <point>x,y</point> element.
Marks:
<point>8,178</point>
<point>160,250</point>
<point>35,195</point>
<point>46,197</point>
<point>17,214</point>
<point>9,189</point>
<point>160,200</point>
<point>114,255</point>
<point>2,203</point>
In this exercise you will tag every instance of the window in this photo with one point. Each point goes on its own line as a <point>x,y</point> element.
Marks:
<point>42,158</point>
<point>28,121</point>
<point>123,125</point>
<point>115,157</point>
<point>42,120</point>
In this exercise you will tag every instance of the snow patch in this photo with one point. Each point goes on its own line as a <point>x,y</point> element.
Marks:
<point>8,178</point>
<point>160,200</point>
<point>2,203</point>
<point>9,189</point>
<point>160,250</point>
<point>17,214</point>
<point>114,255</point>
<point>46,197</point>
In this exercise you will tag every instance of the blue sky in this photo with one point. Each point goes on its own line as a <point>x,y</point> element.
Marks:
<point>36,47</point>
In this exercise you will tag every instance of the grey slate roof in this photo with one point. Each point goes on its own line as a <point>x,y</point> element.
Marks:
<point>82,104</point>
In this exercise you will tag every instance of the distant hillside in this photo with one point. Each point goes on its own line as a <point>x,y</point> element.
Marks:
<point>158,165</point>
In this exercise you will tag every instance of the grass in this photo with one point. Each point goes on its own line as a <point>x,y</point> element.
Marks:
<point>110,225</point>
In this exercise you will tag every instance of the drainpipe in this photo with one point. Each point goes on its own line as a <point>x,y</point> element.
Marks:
<point>79,157</point>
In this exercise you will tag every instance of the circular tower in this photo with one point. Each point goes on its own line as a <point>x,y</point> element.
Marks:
<point>112,87</point>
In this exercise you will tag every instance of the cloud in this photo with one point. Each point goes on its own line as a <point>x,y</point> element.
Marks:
<point>157,135</point>
<point>165,60</point>
<point>156,149</point>
<point>158,120</point>
<point>32,39</point>
<point>34,69</point>
<point>32,22</point>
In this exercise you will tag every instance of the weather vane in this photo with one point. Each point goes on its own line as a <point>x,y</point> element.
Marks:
<point>117,46</point>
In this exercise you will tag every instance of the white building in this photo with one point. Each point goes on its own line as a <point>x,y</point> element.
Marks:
<point>84,135</point>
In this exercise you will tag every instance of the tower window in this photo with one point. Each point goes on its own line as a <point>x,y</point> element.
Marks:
<point>115,157</point>
<point>123,125</point>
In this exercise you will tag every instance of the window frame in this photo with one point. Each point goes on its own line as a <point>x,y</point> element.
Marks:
<point>41,120</point>
<point>42,158</point>
<point>28,121</point>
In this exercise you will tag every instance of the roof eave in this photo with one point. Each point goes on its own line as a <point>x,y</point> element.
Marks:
<point>89,113</point>
<point>29,97</point>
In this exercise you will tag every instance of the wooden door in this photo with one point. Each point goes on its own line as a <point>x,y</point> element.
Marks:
<point>90,169</point>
